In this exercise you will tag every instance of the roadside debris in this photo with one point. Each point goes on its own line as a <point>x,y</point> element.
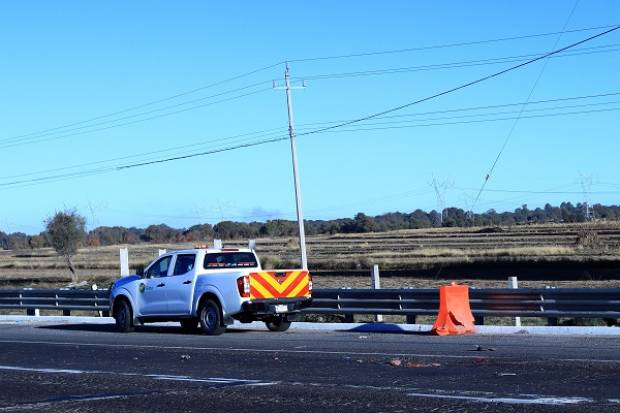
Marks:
<point>480,348</point>
<point>421,365</point>
<point>396,362</point>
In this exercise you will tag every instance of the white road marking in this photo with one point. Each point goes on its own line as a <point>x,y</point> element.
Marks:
<point>517,399</point>
<point>30,406</point>
<point>217,380</point>
<point>290,351</point>
<point>484,397</point>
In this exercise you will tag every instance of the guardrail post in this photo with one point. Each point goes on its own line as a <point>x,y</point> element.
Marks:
<point>124,257</point>
<point>513,282</point>
<point>376,285</point>
<point>479,320</point>
<point>33,312</point>
<point>66,313</point>
<point>552,321</point>
<point>411,318</point>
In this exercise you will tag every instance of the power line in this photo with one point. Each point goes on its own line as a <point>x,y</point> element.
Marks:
<point>496,113</point>
<point>44,139</point>
<point>92,125</point>
<point>278,131</point>
<point>516,121</point>
<point>275,138</point>
<point>154,102</point>
<point>443,46</point>
<point>459,64</point>
<point>255,134</point>
<point>465,85</point>
<point>96,171</point>
<point>260,69</point>
<point>526,191</point>
<point>475,108</point>
<point>329,128</point>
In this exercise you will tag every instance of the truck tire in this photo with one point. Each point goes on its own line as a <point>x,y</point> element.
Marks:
<point>189,325</point>
<point>123,317</point>
<point>278,324</point>
<point>210,316</point>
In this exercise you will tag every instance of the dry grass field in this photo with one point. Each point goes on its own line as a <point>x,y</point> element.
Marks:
<point>550,254</point>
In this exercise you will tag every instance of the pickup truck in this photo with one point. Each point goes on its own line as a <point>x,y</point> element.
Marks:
<point>209,288</point>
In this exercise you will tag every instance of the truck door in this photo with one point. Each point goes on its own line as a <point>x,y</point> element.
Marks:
<point>180,285</point>
<point>152,298</point>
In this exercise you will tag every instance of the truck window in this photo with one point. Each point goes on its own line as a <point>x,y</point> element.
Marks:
<point>160,268</point>
<point>230,260</point>
<point>184,264</point>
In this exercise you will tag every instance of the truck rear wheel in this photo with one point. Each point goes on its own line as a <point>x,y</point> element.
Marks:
<point>278,324</point>
<point>211,318</point>
<point>123,317</point>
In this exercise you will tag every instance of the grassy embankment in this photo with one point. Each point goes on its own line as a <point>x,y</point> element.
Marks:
<point>589,253</point>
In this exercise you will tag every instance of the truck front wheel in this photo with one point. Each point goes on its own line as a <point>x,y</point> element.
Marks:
<point>278,323</point>
<point>211,318</point>
<point>123,317</point>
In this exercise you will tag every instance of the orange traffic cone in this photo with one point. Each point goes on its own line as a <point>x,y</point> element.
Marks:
<point>455,315</point>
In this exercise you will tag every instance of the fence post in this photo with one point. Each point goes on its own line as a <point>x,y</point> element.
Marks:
<point>217,244</point>
<point>513,282</point>
<point>124,256</point>
<point>375,280</point>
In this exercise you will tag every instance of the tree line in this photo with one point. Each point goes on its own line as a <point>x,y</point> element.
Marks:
<point>360,223</point>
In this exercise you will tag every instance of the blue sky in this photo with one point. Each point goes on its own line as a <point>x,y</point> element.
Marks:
<point>69,61</point>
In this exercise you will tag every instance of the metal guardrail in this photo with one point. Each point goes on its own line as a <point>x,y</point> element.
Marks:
<point>64,300</point>
<point>550,303</point>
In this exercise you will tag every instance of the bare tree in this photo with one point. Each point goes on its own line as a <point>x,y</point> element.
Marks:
<point>65,232</point>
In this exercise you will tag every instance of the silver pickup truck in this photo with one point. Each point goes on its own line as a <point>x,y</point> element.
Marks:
<point>209,288</point>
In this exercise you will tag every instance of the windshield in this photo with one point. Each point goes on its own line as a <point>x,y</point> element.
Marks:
<point>230,260</point>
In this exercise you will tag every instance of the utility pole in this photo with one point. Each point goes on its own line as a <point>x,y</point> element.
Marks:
<point>291,131</point>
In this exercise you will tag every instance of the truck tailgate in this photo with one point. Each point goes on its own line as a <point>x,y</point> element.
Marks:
<point>280,284</point>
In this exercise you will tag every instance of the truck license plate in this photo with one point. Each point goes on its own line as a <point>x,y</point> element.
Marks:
<point>281,308</point>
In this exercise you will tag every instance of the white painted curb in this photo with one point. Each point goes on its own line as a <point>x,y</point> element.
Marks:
<point>342,327</point>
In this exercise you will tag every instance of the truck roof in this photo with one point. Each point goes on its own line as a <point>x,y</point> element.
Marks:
<point>212,250</point>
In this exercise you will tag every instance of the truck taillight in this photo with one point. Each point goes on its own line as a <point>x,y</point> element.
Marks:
<point>243,283</point>
<point>309,282</point>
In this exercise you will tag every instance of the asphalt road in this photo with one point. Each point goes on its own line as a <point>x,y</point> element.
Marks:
<point>91,368</point>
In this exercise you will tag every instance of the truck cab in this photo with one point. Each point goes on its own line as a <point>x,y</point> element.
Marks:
<point>209,288</point>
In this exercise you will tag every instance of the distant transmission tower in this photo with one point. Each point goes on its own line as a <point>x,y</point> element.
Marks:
<point>441,187</point>
<point>586,185</point>
<point>469,207</point>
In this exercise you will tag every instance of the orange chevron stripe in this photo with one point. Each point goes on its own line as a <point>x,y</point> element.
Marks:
<point>273,281</point>
<point>265,284</point>
<point>264,288</point>
<point>304,292</point>
<point>298,280</point>
<point>301,289</point>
